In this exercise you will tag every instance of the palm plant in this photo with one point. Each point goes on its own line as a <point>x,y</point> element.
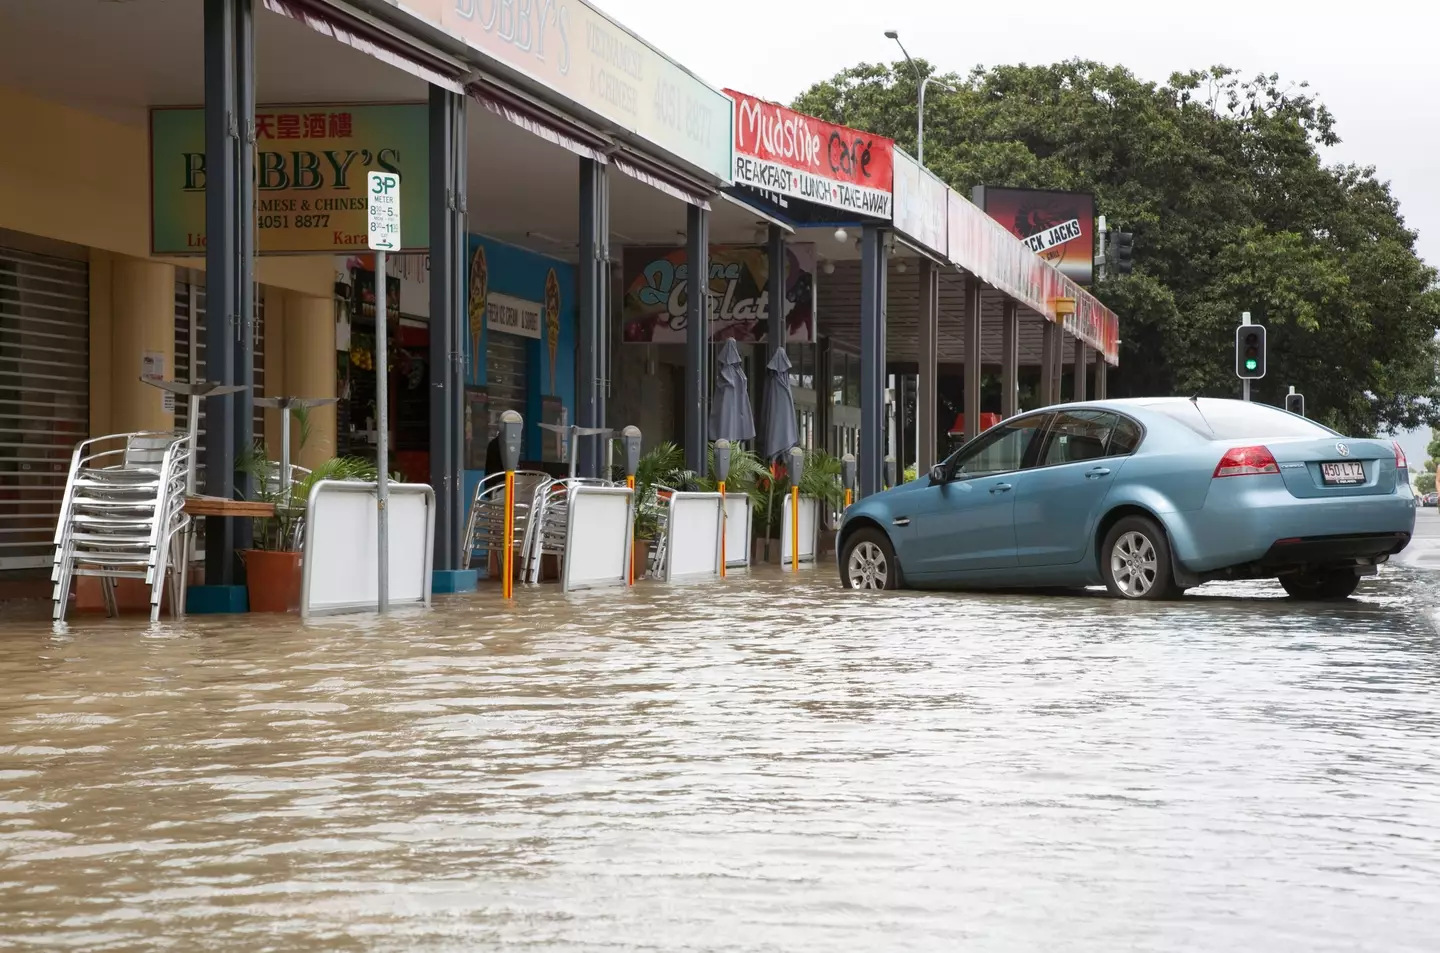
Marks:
<point>663,467</point>
<point>821,480</point>
<point>280,533</point>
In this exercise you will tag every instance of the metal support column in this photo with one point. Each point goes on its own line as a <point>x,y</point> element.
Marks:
<point>587,413</point>
<point>245,222</point>
<point>1047,361</point>
<point>1102,372</point>
<point>605,320</point>
<point>443,249</point>
<point>927,399</point>
<point>1057,370</point>
<point>220,270</point>
<point>872,359</point>
<point>697,337</point>
<point>1082,356</point>
<point>459,317</point>
<point>775,330</point>
<point>973,366</point>
<point>1010,361</point>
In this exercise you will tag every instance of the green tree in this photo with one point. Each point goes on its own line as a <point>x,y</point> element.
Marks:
<point>1233,210</point>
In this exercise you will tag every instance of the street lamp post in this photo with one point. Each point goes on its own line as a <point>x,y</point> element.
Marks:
<point>921,81</point>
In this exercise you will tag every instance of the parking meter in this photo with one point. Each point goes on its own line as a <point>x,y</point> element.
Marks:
<point>889,472</point>
<point>848,472</point>
<point>722,460</point>
<point>797,472</point>
<point>512,426</point>
<point>630,438</point>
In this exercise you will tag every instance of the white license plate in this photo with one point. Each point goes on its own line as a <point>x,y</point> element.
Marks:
<point>1342,474</point>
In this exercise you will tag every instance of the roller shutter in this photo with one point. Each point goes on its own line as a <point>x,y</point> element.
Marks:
<point>44,396</point>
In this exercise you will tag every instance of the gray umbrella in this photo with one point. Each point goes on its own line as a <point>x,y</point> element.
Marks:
<point>731,417</point>
<point>781,433</point>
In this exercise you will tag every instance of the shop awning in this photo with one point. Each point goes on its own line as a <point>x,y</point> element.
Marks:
<point>369,36</point>
<point>641,169</point>
<point>539,121</point>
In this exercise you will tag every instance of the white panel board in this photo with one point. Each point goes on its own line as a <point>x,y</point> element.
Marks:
<point>809,530</point>
<point>692,549</point>
<point>597,543</point>
<point>341,564</point>
<point>737,530</point>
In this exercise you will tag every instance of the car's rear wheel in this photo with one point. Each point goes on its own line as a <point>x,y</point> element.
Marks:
<point>1321,585</point>
<point>1135,561</point>
<point>869,562</point>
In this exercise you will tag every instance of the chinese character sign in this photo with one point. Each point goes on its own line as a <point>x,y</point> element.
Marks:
<point>311,174</point>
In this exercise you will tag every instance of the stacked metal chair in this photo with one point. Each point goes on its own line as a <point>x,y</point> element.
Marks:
<point>549,523</point>
<point>122,517</point>
<point>485,529</point>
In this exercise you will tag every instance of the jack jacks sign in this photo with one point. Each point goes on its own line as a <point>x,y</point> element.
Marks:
<point>784,152</point>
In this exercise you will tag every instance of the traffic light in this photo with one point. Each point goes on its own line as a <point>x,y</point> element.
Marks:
<point>1250,352</point>
<point>1295,403</point>
<point>1124,252</point>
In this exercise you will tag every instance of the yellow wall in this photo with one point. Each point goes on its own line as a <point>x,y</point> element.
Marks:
<point>78,178</point>
<point>142,318</point>
<point>309,360</point>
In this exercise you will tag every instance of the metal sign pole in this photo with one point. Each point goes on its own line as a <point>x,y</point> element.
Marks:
<point>385,236</point>
<point>1245,381</point>
<point>382,439</point>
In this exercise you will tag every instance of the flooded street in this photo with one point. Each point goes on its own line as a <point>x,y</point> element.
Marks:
<point>763,765</point>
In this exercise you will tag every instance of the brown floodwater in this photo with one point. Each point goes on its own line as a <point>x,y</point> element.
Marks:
<point>765,764</point>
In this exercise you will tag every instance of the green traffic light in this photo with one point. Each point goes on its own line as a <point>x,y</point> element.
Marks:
<point>1251,364</point>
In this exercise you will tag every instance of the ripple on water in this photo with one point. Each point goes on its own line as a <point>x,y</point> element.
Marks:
<point>765,764</point>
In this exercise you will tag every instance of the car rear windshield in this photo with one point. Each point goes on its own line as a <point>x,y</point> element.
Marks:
<point>1232,420</point>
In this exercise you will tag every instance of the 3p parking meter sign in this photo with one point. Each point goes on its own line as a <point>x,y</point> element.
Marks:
<point>384,211</point>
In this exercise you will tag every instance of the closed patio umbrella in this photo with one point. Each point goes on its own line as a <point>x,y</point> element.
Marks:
<point>781,432</point>
<point>731,417</point>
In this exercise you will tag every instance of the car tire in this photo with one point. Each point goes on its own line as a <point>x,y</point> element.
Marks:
<point>1135,561</point>
<point>1324,585</point>
<point>868,561</point>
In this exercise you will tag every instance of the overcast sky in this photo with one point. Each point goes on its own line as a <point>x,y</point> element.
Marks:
<point>1374,63</point>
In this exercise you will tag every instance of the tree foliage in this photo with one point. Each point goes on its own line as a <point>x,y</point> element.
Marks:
<point>1233,209</point>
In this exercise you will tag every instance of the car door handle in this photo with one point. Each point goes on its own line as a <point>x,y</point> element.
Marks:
<point>1097,473</point>
<point>1001,488</point>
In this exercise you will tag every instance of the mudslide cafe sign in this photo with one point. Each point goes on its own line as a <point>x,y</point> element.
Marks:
<point>781,151</point>
<point>573,49</point>
<point>310,174</point>
<point>657,294</point>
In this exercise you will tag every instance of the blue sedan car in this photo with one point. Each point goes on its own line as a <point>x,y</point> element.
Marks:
<point>1148,496</point>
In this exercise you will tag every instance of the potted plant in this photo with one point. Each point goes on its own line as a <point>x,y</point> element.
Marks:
<point>662,468</point>
<point>273,564</point>
<point>820,481</point>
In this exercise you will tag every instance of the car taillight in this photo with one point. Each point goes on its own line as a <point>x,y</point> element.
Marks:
<point>1400,462</point>
<point>1246,461</point>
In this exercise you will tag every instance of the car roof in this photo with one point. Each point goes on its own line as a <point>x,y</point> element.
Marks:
<point>1140,403</point>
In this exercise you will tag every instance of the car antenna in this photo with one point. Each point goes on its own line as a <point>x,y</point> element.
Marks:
<point>1196,401</point>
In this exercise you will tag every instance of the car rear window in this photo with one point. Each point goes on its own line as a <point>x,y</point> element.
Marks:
<point>1233,420</point>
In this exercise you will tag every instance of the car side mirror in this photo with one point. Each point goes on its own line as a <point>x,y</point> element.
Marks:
<point>937,474</point>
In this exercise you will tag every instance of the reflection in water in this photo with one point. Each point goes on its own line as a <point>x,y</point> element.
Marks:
<point>759,765</point>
